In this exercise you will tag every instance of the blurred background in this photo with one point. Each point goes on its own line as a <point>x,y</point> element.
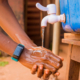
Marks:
<point>30,18</point>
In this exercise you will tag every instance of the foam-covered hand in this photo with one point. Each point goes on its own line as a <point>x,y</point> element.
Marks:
<point>41,60</point>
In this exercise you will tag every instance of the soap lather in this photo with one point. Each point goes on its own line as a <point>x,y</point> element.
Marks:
<point>51,17</point>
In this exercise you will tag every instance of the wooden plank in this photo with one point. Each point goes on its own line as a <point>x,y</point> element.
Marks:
<point>76,53</point>
<point>25,15</point>
<point>32,9</point>
<point>72,36</point>
<point>47,31</point>
<point>68,61</point>
<point>33,15</point>
<point>33,28</point>
<point>31,3</point>
<point>72,70</point>
<point>68,41</point>
<point>33,33</point>
<point>35,38</point>
<point>33,21</point>
<point>53,1</point>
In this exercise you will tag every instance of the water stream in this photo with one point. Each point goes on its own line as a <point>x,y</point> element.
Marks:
<point>43,37</point>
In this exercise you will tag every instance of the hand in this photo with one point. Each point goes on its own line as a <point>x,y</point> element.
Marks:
<point>41,60</point>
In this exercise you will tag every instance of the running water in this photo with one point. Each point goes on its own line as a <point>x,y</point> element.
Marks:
<point>42,37</point>
<point>42,46</point>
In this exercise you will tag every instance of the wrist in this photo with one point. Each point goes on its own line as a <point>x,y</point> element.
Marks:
<point>17,52</point>
<point>24,56</point>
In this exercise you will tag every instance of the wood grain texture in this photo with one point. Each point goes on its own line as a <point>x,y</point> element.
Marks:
<point>76,53</point>
<point>72,36</point>
<point>72,70</point>
<point>68,41</point>
<point>68,61</point>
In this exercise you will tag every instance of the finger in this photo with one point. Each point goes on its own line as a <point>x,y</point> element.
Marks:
<point>57,74</point>
<point>54,63</point>
<point>61,58</point>
<point>40,71</point>
<point>51,68</point>
<point>53,56</point>
<point>34,69</point>
<point>46,74</point>
<point>56,58</point>
<point>48,66</point>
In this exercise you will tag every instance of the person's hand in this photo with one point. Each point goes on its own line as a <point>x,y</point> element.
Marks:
<point>42,61</point>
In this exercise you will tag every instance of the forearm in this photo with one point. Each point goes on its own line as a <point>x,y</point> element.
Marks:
<point>6,44</point>
<point>10,25</point>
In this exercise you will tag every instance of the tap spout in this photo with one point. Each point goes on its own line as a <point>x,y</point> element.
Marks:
<point>44,21</point>
<point>52,18</point>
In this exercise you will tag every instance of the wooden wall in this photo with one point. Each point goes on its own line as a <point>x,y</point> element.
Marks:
<point>32,21</point>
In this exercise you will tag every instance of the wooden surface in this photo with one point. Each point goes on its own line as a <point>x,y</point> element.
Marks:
<point>76,53</point>
<point>68,41</point>
<point>72,70</point>
<point>47,30</point>
<point>33,28</point>
<point>72,36</point>
<point>68,62</point>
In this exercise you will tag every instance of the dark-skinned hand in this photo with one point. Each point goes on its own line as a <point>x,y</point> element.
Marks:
<point>42,61</point>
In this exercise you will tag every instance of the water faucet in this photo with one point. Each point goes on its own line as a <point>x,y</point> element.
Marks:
<point>52,17</point>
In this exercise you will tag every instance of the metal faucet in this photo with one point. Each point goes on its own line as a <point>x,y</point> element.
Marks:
<point>51,17</point>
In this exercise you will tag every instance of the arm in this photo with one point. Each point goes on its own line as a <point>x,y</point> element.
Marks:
<point>7,45</point>
<point>31,57</point>
<point>10,25</point>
